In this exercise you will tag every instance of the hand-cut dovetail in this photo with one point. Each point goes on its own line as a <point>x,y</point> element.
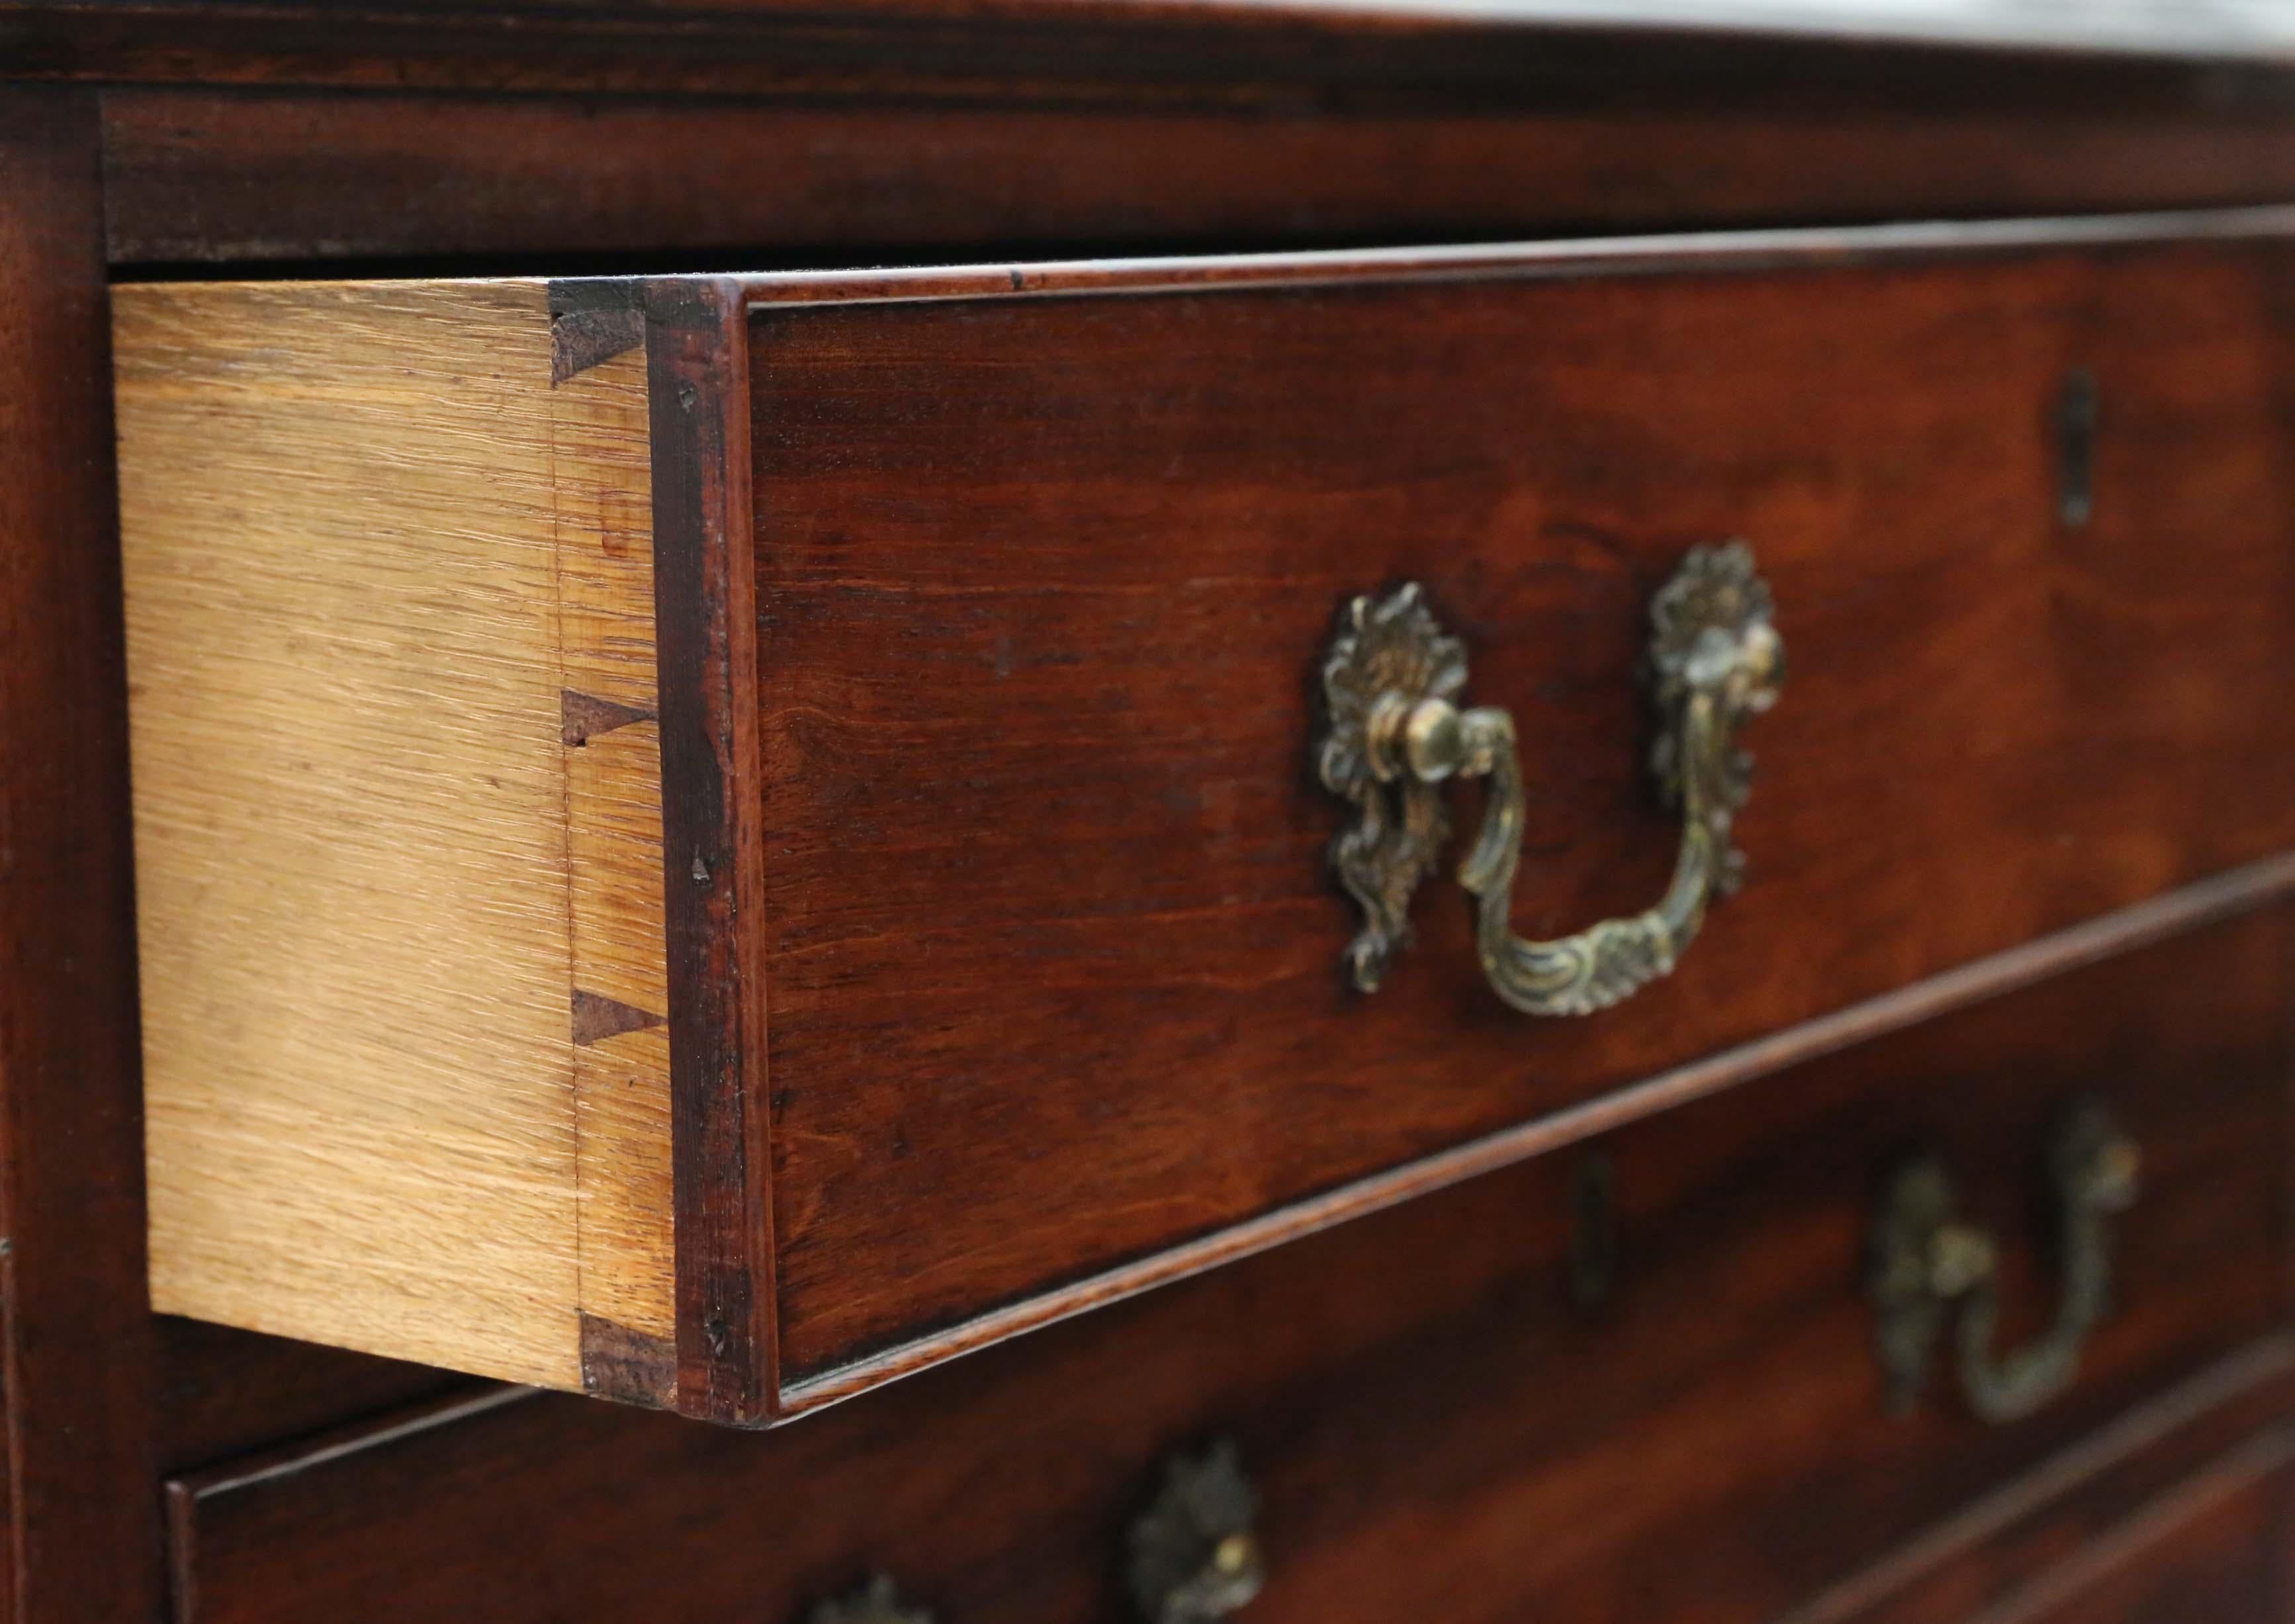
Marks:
<point>580,339</point>
<point>583,716</point>
<point>2078,407</point>
<point>597,1017</point>
<point>630,1365</point>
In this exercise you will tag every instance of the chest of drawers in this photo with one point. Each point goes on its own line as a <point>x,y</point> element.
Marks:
<point>1491,1403</point>
<point>1355,814</point>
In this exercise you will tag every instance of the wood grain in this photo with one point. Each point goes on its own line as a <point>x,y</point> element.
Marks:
<point>340,541</point>
<point>225,177</point>
<point>601,469</point>
<point>713,874</point>
<point>2187,909</point>
<point>2217,1549</point>
<point>1042,581</point>
<point>2027,1533</point>
<point>944,49</point>
<point>78,1539</point>
<point>371,550</point>
<point>1438,1429</point>
<point>920,767</point>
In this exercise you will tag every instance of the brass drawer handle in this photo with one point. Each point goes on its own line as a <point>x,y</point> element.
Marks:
<point>1195,1556</point>
<point>1925,1259</point>
<point>1395,733</point>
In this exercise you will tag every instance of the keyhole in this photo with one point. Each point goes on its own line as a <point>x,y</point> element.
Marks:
<point>2075,414</point>
<point>1594,1230</point>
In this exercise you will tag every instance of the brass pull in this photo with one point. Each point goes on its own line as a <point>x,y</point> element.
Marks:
<point>1925,1259</point>
<point>877,1601</point>
<point>1395,734</point>
<point>1194,1557</point>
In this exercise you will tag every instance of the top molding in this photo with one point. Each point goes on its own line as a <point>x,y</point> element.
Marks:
<point>2217,29</point>
<point>1234,51</point>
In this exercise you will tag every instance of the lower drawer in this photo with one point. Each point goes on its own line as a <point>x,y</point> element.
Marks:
<point>2216,1549</point>
<point>1639,1379</point>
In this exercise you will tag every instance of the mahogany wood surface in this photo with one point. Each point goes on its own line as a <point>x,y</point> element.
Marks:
<point>219,1393</point>
<point>590,138</point>
<point>2220,30</point>
<point>2055,1522</point>
<point>1438,1428</point>
<point>2218,1548</point>
<point>249,178</point>
<point>1051,946</point>
<point>887,132</point>
<point>80,1539</point>
<point>1000,50</point>
<point>712,869</point>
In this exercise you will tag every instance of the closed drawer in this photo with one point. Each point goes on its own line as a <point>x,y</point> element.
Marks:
<point>2214,1548</point>
<point>1447,1411</point>
<point>723,840</point>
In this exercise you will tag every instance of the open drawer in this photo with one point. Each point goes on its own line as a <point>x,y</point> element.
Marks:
<point>718,840</point>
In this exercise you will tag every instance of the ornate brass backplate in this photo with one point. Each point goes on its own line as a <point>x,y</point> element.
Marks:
<point>877,1601</point>
<point>1394,734</point>
<point>1926,1261</point>
<point>1194,1557</point>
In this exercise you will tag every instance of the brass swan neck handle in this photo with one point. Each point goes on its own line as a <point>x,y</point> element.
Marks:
<point>1396,734</point>
<point>1926,1258</point>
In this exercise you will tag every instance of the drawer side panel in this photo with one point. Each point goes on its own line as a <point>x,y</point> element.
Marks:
<point>343,509</point>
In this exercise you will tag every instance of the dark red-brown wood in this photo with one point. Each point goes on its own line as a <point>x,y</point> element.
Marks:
<point>80,1538</point>
<point>1053,952</point>
<point>1438,1429</point>
<point>2034,1531</point>
<point>264,177</point>
<point>220,1394</point>
<point>1465,54</point>
<point>705,628</point>
<point>2217,1549</point>
<point>562,137</point>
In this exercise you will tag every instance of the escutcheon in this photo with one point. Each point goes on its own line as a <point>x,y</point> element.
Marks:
<point>1395,733</point>
<point>1195,1556</point>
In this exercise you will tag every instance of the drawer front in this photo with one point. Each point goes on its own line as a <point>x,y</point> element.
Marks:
<point>1053,949</point>
<point>1488,1404</point>
<point>918,691</point>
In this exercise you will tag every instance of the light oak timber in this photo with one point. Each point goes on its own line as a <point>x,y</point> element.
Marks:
<point>375,562</point>
<point>610,748</point>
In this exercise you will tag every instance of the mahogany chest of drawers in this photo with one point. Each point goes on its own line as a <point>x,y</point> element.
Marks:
<point>1343,814</point>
